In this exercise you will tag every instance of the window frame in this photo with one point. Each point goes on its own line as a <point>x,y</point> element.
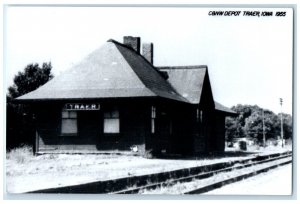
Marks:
<point>69,117</point>
<point>111,114</point>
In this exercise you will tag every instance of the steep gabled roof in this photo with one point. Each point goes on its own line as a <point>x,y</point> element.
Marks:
<point>187,80</point>
<point>113,70</point>
<point>149,75</point>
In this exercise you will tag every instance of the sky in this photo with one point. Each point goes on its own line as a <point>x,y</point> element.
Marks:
<point>249,58</point>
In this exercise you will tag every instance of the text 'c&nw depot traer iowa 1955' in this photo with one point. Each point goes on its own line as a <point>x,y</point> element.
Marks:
<point>246,13</point>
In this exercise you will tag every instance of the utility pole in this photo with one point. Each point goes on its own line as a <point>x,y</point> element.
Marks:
<point>264,136</point>
<point>281,101</point>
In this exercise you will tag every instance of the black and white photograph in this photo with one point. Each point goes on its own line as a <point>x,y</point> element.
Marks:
<point>157,100</point>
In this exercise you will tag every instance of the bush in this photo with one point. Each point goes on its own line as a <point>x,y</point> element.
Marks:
<point>20,154</point>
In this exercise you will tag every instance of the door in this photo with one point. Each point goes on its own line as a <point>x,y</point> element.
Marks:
<point>164,131</point>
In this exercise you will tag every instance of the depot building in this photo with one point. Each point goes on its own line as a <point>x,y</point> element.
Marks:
<point>116,100</point>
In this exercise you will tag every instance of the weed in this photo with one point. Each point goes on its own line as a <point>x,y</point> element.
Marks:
<point>52,156</point>
<point>20,154</point>
<point>148,154</point>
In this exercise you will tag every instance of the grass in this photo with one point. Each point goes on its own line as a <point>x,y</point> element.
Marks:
<point>26,172</point>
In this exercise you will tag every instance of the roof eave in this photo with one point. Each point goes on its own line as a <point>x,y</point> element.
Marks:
<point>226,113</point>
<point>76,99</point>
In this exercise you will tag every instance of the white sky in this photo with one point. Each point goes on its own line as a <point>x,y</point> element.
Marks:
<point>249,58</point>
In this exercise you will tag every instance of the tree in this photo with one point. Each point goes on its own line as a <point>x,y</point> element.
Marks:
<point>235,125</point>
<point>30,79</point>
<point>249,124</point>
<point>287,126</point>
<point>234,129</point>
<point>20,117</point>
<point>231,127</point>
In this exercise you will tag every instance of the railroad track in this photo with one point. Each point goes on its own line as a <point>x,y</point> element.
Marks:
<point>170,179</point>
<point>212,179</point>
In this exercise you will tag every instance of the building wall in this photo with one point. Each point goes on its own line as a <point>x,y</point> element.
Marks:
<point>174,129</point>
<point>134,124</point>
<point>49,130</point>
<point>206,121</point>
<point>184,129</point>
<point>179,128</point>
<point>220,132</point>
<point>217,138</point>
<point>204,127</point>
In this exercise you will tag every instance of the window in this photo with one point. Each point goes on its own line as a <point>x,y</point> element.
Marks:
<point>199,115</point>
<point>111,121</point>
<point>153,116</point>
<point>69,123</point>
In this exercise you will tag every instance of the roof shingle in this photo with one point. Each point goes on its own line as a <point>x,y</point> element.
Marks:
<point>188,81</point>
<point>113,70</point>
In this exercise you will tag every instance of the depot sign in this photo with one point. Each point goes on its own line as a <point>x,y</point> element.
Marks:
<point>82,106</point>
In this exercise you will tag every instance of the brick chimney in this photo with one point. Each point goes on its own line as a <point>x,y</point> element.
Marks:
<point>133,42</point>
<point>148,52</point>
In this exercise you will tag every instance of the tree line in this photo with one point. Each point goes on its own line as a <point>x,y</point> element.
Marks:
<point>253,121</point>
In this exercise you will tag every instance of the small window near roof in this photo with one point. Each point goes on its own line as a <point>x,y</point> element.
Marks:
<point>69,123</point>
<point>111,121</point>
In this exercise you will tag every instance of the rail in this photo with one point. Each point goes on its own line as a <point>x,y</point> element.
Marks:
<point>270,159</point>
<point>136,184</point>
